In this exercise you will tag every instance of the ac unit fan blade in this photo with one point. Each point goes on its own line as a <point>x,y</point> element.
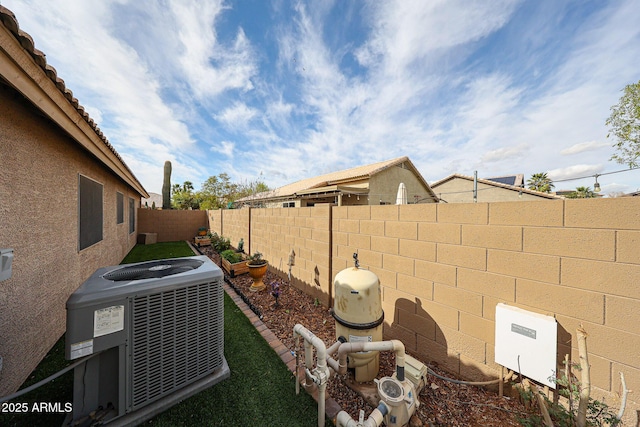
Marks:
<point>153,270</point>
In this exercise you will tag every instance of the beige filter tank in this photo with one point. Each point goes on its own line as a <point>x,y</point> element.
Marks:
<point>357,309</point>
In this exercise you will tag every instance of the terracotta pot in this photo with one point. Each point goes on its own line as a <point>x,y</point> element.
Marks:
<point>257,272</point>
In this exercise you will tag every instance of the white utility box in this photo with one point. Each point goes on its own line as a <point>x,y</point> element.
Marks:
<point>526,342</point>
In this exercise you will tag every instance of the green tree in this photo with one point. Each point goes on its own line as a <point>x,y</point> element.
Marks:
<point>582,193</point>
<point>218,191</point>
<point>540,182</point>
<point>624,125</point>
<point>183,196</point>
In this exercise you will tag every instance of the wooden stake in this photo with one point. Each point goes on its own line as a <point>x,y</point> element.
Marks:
<point>585,387</point>
<point>544,410</point>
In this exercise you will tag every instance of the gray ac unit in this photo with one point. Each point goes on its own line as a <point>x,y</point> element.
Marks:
<point>158,327</point>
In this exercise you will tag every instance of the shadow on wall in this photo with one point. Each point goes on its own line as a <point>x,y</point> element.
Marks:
<point>421,335</point>
<point>315,291</point>
<point>425,340</point>
<point>564,347</point>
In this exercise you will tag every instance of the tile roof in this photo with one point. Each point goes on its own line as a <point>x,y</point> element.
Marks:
<point>494,184</point>
<point>8,19</point>
<point>347,176</point>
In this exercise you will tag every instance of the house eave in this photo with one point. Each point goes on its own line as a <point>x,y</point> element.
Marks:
<point>34,80</point>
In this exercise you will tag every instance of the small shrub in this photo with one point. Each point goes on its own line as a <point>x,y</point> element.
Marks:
<point>256,259</point>
<point>598,413</point>
<point>219,243</point>
<point>231,256</point>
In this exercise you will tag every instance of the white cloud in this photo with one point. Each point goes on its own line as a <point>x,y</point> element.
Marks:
<point>583,146</point>
<point>225,147</point>
<point>505,153</point>
<point>574,172</point>
<point>210,67</point>
<point>237,116</point>
<point>408,31</point>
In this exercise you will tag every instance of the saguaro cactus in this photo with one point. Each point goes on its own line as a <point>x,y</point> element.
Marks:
<point>166,186</point>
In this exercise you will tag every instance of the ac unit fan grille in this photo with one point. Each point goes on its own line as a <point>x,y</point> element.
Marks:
<point>177,338</point>
<point>153,269</point>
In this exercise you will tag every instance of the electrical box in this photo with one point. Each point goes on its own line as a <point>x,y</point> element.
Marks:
<point>526,342</point>
<point>6,259</point>
<point>415,371</point>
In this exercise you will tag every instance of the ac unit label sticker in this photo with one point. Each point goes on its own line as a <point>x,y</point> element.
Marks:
<point>108,320</point>
<point>81,349</point>
<point>523,330</point>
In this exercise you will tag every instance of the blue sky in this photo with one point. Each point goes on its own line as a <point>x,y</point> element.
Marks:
<point>284,90</point>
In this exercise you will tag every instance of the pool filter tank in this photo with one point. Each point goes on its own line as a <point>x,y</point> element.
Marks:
<point>357,309</point>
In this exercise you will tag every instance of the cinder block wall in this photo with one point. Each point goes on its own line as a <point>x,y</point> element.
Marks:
<point>444,268</point>
<point>236,227</point>
<point>276,231</point>
<point>172,225</point>
<point>215,221</point>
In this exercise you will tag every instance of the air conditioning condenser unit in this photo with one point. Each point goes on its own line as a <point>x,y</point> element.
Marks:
<point>157,332</point>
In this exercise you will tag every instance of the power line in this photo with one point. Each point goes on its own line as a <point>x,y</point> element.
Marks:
<point>594,175</point>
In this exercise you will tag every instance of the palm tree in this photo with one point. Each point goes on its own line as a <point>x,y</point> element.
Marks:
<point>540,182</point>
<point>582,193</point>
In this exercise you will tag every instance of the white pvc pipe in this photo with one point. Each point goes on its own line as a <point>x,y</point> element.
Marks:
<point>322,372</point>
<point>375,418</point>
<point>391,345</point>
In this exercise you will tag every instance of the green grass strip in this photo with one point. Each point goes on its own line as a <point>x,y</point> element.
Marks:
<point>155,251</point>
<point>260,391</point>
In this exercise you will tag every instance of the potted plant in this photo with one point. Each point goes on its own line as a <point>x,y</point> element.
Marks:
<point>233,262</point>
<point>257,269</point>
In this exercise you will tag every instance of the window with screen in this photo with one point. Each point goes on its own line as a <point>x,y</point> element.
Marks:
<point>132,216</point>
<point>90,214</point>
<point>119,208</point>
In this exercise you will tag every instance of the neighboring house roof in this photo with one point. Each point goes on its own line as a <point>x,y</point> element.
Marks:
<point>515,180</point>
<point>347,181</point>
<point>54,99</point>
<point>493,183</point>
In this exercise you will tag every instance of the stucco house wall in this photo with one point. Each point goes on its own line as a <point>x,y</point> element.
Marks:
<point>460,190</point>
<point>383,187</point>
<point>41,161</point>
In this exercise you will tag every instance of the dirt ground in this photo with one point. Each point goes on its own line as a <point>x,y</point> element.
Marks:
<point>442,403</point>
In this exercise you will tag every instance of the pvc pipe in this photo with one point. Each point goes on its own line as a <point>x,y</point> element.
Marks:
<point>375,418</point>
<point>391,345</point>
<point>333,364</point>
<point>321,373</point>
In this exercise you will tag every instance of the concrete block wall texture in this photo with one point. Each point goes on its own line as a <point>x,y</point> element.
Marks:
<point>444,268</point>
<point>576,260</point>
<point>215,221</point>
<point>236,227</point>
<point>277,231</point>
<point>172,225</point>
